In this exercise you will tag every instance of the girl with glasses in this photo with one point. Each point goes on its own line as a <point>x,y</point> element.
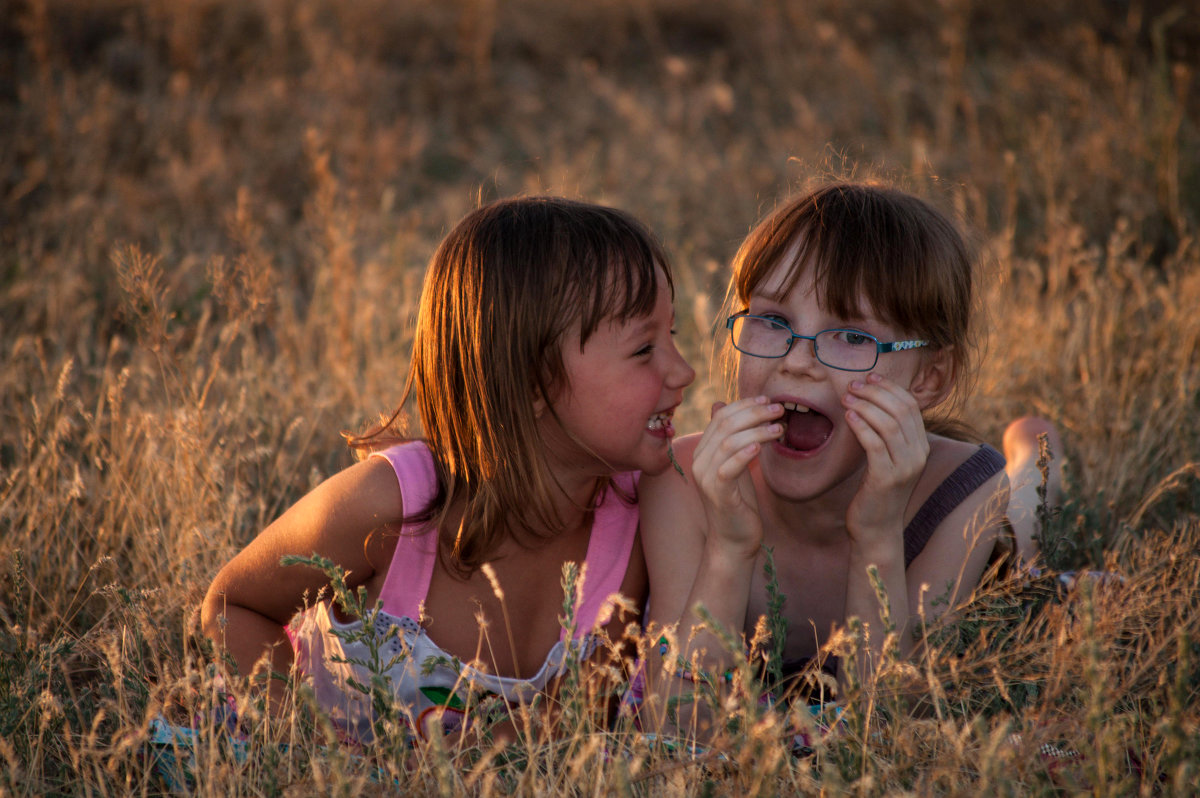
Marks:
<point>527,459</point>
<point>852,336</point>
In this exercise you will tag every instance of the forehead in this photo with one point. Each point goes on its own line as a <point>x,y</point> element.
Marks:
<point>791,281</point>
<point>789,271</point>
<point>783,279</point>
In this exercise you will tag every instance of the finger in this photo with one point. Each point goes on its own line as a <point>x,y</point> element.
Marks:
<point>878,454</point>
<point>881,418</point>
<point>758,434</point>
<point>891,410</point>
<point>737,417</point>
<point>735,465</point>
<point>884,474</point>
<point>891,418</point>
<point>887,446</point>
<point>897,400</point>
<point>890,457</point>
<point>733,447</point>
<point>745,412</point>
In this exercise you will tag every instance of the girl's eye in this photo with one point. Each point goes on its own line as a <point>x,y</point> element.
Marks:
<point>854,338</point>
<point>645,350</point>
<point>777,322</point>
<point>770,316</point>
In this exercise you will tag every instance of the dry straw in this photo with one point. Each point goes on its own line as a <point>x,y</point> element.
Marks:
<point>214,218</point>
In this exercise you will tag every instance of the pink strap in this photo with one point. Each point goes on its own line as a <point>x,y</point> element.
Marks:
<point>610,544</point>
<point>613,533</point>
<point>407,581</point>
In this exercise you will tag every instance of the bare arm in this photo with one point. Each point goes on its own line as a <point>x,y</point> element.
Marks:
<point>952,563</point>
<point>253,596</point>
<point>887,421</point>
<point>702,541</point>
<point>673,536</point>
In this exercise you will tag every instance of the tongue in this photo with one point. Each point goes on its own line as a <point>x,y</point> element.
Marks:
<point>806,431</point>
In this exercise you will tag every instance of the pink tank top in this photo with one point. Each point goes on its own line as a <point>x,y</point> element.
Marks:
<point>432,685</point>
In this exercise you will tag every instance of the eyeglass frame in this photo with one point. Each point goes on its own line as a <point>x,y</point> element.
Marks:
<point>881,348</point>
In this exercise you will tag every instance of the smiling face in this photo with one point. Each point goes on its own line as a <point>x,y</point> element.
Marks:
<point>818,451</point>
<point>621,388</point>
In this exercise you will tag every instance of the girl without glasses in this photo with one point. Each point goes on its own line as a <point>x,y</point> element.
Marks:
<point>532,310</point>
<point>852,335</point>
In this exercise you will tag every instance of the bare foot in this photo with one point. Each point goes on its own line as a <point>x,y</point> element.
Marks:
<point>1021,449</point>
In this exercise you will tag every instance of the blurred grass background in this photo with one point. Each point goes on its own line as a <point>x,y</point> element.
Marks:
<point>215,216</point>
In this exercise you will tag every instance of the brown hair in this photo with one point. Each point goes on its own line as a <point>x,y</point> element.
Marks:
<point>908,260</point>
<point>501,292</point>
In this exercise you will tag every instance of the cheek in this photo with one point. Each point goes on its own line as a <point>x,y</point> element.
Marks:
<point>896,370</point>
<point>750,376</point>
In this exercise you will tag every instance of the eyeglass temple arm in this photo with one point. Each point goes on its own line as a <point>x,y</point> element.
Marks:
<point>900,346</point>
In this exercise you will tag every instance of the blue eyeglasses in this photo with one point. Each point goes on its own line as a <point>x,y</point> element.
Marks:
<point>846,350</point>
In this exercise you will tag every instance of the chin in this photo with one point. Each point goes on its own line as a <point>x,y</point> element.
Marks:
<point>791,486</point>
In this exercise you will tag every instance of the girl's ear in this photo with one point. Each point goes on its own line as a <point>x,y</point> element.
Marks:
<point>934,378</point>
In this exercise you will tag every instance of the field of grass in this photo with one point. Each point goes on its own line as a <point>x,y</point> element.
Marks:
<point>214,219</point>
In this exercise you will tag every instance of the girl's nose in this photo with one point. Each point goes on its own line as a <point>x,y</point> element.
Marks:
<point>802,356</point>
<point>681,374</point>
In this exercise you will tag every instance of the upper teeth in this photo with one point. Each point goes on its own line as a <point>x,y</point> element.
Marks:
<point>658,422</point>
<point>793,406</point>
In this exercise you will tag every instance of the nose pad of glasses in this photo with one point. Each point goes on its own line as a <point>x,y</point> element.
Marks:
<point>804,350</point>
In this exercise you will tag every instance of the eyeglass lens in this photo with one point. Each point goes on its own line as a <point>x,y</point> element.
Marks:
<point>836,348</point>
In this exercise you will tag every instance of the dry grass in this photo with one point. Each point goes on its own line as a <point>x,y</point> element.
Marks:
<point>213,220</point>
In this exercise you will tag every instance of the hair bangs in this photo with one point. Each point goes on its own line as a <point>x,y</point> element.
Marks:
<point>871,251</point>
<point>617,276</point>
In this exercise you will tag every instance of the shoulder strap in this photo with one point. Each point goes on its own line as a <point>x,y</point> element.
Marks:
<point>614,530</point>
<point>985,463</point>
<point>411,568</point>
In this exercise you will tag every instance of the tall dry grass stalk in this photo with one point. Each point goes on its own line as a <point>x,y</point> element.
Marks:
<point>214,218</point>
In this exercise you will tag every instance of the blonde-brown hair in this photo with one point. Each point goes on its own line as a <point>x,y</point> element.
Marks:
<point>500,295</point>
<point>909,261</point>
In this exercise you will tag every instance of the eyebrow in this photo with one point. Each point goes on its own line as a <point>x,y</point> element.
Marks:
<point>774,299</point>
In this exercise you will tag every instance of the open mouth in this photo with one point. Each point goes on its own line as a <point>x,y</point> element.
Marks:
<point>660,422</point>
<point>804,429</point>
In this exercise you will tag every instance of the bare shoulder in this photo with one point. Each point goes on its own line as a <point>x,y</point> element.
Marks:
<point>666,498</point>
<point>672,524</point>
<point>947,454</point>
<point>964,540</point>
<point>334,521</point>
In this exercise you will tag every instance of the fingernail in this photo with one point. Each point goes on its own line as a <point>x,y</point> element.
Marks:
<point>856,384</point>
<point>873,377</point>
